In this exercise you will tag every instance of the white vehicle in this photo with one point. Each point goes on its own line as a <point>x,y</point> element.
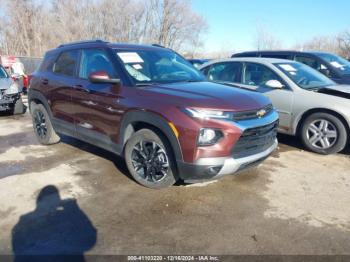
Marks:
<point>309,104</point>
<point>10,94</point>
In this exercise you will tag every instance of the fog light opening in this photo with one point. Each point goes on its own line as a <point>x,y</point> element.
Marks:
<point>213,170</point>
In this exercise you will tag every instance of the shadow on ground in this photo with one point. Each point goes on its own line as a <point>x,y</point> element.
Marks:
<point>118,161</point>
<point>5,113</point>
<point>295,143</point>
<point>56,227</point>
<point>292,143</point>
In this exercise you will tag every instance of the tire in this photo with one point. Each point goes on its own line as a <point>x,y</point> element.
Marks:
<point>319,128</point>
<point>18,107</point>
<point>43,129</point>
<point>145,170</point>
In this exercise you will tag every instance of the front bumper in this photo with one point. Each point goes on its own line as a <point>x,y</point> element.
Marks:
<point>216,167</point>
<point>7,101</point>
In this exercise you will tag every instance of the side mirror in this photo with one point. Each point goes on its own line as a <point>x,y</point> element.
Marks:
<point>275,84</point>
<point>102,77</point>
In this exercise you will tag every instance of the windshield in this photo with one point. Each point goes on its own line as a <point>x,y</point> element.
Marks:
<point>3,73</point>
<point>337,62</point>
<point>304,76</point>
<point>158,66</point>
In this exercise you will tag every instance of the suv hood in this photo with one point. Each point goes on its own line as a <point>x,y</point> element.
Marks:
<point>336,90</point>
<point>206,95</point>
<point>5,83</point>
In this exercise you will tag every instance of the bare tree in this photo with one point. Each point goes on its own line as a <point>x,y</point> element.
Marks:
<point>319,43</point>
<point>264,40</point>
<point>334,44</point>
<point>344,44</point>
<point>173,24</point>
<point>36,26</point>
<point>21,32</point>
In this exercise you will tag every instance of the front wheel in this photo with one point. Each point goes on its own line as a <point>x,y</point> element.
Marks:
<point>149,159</point>
<point>324,133</point>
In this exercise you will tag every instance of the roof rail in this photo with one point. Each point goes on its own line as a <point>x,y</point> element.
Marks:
<point>82,42</point>
<point>157,45</point>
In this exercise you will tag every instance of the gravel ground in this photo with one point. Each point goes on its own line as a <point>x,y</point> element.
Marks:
<point>75,198</point>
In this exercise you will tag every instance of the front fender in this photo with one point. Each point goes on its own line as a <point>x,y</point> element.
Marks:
<point>152,119</point>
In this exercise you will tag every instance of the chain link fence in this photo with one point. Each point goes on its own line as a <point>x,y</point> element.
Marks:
<point>30,63</point>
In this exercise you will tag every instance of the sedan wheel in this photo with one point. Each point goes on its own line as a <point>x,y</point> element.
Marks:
<point>322,134</point>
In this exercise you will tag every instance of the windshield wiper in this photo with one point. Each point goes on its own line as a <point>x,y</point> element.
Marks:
<point>145,84</point>
<point>187,81</point>
<point>318,88</point>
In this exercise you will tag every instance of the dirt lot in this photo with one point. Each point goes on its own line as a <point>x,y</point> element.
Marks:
<point>295,203</point>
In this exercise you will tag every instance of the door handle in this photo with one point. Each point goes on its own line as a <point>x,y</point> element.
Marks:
<point>81,89</point>
<point>44,81</point>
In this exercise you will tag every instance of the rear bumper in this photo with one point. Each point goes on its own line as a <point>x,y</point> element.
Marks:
<point>214,168</point>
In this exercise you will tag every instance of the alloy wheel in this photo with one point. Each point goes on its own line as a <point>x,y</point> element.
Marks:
<point>40,124</point>
<point>322,134</point>
<point>150,161</point>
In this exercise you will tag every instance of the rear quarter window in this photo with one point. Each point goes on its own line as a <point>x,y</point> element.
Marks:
<point>47,63</point>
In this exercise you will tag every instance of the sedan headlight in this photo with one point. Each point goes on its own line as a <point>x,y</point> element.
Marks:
<point>207,114</point>
<point>12,90</point>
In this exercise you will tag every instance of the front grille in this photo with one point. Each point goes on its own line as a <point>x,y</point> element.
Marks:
<point>252,114</point>
<point>255,140</point>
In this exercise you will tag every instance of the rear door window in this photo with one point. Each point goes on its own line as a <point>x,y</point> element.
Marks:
<point>67,62</point>
<point>225,72</point>
<point>257,75</point>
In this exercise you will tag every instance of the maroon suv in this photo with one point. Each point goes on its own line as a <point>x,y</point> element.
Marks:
<point>151,106</point>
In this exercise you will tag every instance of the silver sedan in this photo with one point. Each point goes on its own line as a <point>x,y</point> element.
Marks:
<point>309,104</point>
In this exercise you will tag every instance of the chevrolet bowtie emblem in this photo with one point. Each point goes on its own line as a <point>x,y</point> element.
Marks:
<point>261,113</point>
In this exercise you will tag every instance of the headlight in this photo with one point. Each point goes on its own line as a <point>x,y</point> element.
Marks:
<point>209,136</point>
<point>12,90</point>
<point>206,114</point>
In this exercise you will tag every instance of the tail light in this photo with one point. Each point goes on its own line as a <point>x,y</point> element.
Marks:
<point>29,78</point>
<point>25,81</point>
